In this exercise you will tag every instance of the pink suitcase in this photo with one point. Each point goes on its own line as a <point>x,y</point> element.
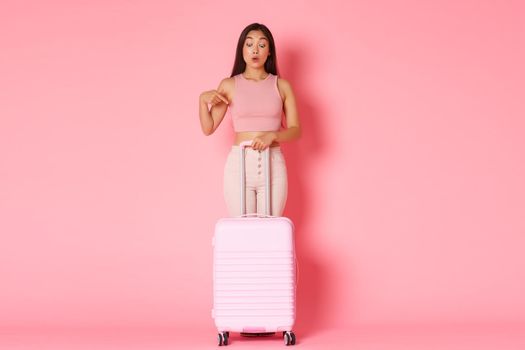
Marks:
<point>254,271</point>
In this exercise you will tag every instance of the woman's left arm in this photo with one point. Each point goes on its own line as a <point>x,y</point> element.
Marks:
<point>293,130</point>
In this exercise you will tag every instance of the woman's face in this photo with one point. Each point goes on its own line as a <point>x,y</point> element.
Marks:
<point>256,49</point>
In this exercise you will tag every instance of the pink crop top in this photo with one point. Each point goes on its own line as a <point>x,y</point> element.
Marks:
<point>256,105</point>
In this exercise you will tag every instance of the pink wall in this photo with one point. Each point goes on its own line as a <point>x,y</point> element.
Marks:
<point>407,188</point>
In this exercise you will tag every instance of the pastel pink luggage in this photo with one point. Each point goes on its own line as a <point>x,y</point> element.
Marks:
<point>254,276</point>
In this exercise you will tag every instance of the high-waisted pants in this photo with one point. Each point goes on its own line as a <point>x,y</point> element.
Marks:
<point>255,181</point>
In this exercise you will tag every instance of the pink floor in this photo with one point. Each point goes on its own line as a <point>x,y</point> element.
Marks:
<point>385,337</point>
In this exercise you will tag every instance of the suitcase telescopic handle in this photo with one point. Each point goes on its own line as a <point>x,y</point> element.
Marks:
<point>243,146</point>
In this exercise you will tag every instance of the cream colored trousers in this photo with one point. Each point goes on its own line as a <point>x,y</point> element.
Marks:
<point>255,181</point>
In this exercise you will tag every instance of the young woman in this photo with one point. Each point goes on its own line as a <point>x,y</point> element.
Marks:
<point>256,98</point>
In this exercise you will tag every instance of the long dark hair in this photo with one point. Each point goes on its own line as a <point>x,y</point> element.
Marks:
<point>271,62</point>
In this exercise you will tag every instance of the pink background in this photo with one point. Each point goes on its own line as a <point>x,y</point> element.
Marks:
<point>407,188</point>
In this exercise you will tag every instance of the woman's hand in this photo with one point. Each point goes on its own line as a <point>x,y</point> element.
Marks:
<point>264,141</point>
<point>213,97</point>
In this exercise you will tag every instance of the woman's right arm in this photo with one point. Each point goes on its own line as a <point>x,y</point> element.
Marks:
<point>211,118</point>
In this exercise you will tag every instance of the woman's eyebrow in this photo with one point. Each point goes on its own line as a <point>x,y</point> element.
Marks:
<point>262,38</point>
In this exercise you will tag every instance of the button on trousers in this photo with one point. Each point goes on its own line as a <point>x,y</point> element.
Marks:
<point>255,181</point>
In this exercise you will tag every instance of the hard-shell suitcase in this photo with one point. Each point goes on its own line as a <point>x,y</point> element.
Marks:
<point>254,271</point>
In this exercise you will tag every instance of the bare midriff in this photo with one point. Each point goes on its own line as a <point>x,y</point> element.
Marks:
<point>250,135</point>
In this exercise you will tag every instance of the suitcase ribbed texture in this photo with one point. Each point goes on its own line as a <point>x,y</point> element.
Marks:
<point>254,275</point>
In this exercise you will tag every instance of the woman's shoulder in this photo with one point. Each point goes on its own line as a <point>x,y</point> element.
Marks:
<point>227,82</point>
<point>227,85</point>
<point>284,86</point>
<point>282,81</point>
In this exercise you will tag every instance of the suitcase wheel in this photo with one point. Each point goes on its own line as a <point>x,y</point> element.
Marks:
<point>289,338</point>
<point>222,338</point>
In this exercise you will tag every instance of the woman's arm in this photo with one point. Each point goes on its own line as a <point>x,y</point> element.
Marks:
<point>211,118</point>
<point>293,130</point>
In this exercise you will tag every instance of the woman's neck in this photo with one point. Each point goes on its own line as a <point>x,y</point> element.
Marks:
<point>255,74</point>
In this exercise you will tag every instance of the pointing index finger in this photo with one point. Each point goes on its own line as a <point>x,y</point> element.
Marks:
<point>221,97</point>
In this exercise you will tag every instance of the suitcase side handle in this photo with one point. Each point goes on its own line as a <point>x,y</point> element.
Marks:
<point>242,147</point>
